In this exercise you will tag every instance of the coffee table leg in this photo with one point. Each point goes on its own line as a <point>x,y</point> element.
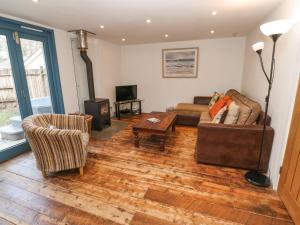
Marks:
<point>136,139</point>
<point>162,143</point>
<point>173,127</point>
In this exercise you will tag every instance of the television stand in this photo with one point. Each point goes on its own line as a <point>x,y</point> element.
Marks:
<point>118,104</point>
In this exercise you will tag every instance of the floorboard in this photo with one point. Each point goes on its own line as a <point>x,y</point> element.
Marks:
<point>136,186</point>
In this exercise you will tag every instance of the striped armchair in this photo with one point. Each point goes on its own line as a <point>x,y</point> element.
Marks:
<point>58,141</point>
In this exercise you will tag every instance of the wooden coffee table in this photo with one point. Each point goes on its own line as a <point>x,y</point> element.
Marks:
<point>159,129</point>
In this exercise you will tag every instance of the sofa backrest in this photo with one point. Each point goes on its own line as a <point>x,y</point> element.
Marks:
<point>249,109</point>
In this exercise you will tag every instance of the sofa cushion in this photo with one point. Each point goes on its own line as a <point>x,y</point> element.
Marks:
<point>191,107</point>
<point>255,109</point>
<point>205,118</point>
<point>249,109</point>
<point>232,114</point>
<point>244,112</point>
<point>189,113</point>
<point>214,99</point>
<point>218,117</point>
<point>218,106</point>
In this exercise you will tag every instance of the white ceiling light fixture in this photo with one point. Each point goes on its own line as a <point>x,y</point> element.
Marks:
<point>166,35</point>
<point>123,39</point>
<point>276,28</point>
<point>258,46</point>
<point>35,1</point>
<point>212,31</point>
<point>148,21</point>
<point>214,13</point>
<point>102,26</point>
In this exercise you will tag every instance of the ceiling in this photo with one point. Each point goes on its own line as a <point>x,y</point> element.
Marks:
<point>180,19</point>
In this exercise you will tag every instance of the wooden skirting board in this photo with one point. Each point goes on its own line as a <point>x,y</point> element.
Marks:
<point>122,184</point>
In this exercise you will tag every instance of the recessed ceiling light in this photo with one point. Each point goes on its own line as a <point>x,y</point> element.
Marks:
<point>214,13</point>
<point>148,21</point>
<point>101,26</point>
<point>123,39</point>
<point>166,35</point>
<point>35,1</point>
<point>212,31</point>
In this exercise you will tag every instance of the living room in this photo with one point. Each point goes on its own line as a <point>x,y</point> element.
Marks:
<point>127,43</point>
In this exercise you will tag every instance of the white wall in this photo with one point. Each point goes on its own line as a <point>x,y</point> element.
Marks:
<point>220,68</point>
<point>66,70</point>
<point>286,78</point>
<point>65,64</point>
<point>106,59</point>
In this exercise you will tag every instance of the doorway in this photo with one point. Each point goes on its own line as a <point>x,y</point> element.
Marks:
<point>289,183</point>
<point>29,81</point>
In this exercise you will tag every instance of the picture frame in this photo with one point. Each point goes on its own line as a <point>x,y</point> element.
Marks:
<point>180,62</point>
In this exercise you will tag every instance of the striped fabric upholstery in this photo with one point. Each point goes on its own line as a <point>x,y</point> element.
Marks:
<point>61,147</point>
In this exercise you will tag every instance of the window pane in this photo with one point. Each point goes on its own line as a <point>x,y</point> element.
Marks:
<point>36,75</point>
<point>11,132</point>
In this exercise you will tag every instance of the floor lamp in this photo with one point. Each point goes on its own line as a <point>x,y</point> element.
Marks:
<point>274,30</point>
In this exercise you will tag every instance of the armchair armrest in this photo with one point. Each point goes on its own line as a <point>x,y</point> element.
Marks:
<point>202,100</point>
<point>233,145</point>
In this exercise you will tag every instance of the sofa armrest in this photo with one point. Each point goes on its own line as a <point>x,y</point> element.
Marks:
<point>233,145</point>
<point>202,100</point>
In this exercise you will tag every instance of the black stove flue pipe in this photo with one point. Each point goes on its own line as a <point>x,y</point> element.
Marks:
<point>89,72</point>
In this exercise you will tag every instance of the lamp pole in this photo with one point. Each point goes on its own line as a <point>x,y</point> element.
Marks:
<point>274,30</point>
<point>255,177</point>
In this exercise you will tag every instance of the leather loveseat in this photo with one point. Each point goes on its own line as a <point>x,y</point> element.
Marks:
<point>235,145</point>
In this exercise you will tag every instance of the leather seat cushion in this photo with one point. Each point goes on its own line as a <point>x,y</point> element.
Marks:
<point>191,107</point>
<point>190,113</point>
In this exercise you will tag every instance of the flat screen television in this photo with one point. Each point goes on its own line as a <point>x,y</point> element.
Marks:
<point>124,93</point>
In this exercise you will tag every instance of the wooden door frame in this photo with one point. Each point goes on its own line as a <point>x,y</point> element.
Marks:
<point>291,206</point>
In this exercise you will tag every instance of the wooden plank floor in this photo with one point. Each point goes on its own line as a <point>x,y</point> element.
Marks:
<point>126,185</point>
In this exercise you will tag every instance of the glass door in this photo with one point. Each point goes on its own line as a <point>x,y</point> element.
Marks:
<point>11,132</point>
<point>36,75</point>
<point>29,81</point>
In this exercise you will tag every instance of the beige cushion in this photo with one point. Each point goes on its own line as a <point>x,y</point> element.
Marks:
<point>214,99</point>
<point>191,107</point>
<point>205,118</point>
<point>244,112</point>
<point>85,139</point>
<point>249,109</point>
<point>218,117</point>
<point>233,113</point>
<point>231,92</point>
<point>255,109</point>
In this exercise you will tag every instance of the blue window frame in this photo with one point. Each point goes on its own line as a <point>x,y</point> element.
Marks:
<point>9,28</point>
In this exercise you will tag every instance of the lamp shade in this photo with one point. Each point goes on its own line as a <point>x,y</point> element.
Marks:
<point>276,27</point>
<point>258,46</point>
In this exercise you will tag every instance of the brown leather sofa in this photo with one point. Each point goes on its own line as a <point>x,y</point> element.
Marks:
<point>235,145</point>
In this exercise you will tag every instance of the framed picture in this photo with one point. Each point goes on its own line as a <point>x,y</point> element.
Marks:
<point>180,63</point>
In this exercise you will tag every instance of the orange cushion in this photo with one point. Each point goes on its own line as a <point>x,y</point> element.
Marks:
<point>218,105</point>
<point>229,101</point>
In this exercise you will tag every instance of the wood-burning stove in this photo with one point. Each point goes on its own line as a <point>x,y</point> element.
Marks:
<point>97,107</point>
<point>100,110</point>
